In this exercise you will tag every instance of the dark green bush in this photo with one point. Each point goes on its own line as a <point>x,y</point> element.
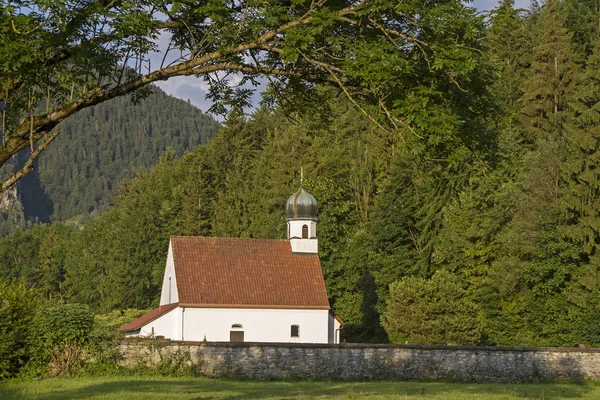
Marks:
<point>432,311</point>
<point>102,349</point>
<point>17,311</point>
<point>61,334</point>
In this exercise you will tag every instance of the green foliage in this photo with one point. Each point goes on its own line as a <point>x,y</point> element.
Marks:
<point>102,350</point>
<point>64,324</point>
<point>115,319</point>
<point>511,43</point>
<point>19,255</point>
<point>434,311</point>
<point>18,307</point>
<point>545,100</point>
<point>52,258</point>
<point>60,335</point>
<point>118,260</point>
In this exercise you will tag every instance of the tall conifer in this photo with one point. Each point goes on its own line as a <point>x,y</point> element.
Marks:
<point>545,100</point>
<point>582,199</point>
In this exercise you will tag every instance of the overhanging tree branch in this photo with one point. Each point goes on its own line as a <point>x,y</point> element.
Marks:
<point>314,41</point>
<point>28,166</point>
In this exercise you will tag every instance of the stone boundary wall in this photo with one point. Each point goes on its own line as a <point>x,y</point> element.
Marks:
<point>368,361</point>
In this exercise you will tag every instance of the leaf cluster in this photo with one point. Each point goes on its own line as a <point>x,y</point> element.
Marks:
<point>434,311</point>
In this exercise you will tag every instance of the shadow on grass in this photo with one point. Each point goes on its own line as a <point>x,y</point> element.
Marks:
<point>205,388</point>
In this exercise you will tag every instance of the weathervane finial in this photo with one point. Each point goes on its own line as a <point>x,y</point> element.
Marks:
<point>301,176</point>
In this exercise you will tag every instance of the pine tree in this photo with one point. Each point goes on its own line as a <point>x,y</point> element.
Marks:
<point>582,200</point>
<point>511,44</point>
<point>51,256</point>
<point>546,92</point>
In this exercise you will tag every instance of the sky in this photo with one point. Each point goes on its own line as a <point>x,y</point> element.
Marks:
<point>483,5</point>
<point>194,89</point>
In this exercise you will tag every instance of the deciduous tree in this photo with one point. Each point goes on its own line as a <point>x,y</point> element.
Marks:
<point>402,65</point>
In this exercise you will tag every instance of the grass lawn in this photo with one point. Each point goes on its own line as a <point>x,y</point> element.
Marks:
<point>137,388</point>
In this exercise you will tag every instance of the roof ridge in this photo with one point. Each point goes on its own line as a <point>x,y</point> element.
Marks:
<point>226,238</point>
<point>256,306</point>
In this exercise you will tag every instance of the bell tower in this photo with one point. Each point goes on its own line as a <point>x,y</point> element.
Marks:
<point>302,222</point>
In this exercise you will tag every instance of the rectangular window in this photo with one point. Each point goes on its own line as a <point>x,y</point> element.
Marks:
<point>295,330</point>
<point>236,336</point>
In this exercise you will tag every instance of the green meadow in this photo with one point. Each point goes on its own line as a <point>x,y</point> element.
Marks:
<point>121,388</point>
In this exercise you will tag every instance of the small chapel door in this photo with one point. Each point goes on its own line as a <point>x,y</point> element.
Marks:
<point>236,336</point>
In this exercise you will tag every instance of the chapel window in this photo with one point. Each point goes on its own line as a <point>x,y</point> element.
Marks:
<point>295,331</point>
<point>304,231</point>
<point>236,334</point>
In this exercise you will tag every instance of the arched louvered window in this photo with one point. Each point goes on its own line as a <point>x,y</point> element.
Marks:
<point>304,231</point>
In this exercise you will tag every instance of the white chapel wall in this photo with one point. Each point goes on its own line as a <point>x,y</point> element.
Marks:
<point>334,329</point>
<point>304,245</point>
<point>259,325</point>
<point>167,325</point>
<point>169,292</point>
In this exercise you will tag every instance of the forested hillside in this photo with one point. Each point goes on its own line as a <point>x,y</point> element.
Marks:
<point>101,146</point>
<point>477,221</point>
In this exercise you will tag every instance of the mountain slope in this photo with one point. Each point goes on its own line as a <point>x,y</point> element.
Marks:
<point>100,146</point>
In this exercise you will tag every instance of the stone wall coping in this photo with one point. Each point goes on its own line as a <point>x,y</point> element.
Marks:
<point>164,342</point>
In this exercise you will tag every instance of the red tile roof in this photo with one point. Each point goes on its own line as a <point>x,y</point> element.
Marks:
<point>147,318</point>
<point>246,273</point>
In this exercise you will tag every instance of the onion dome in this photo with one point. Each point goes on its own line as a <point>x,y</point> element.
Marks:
<point>302,205</point>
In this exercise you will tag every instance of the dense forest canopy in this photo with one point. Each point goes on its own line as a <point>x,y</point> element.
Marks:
<point>105,144</point>
<point>480,208</point>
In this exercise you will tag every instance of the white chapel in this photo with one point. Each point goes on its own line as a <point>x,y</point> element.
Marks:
<point>253,290</point>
